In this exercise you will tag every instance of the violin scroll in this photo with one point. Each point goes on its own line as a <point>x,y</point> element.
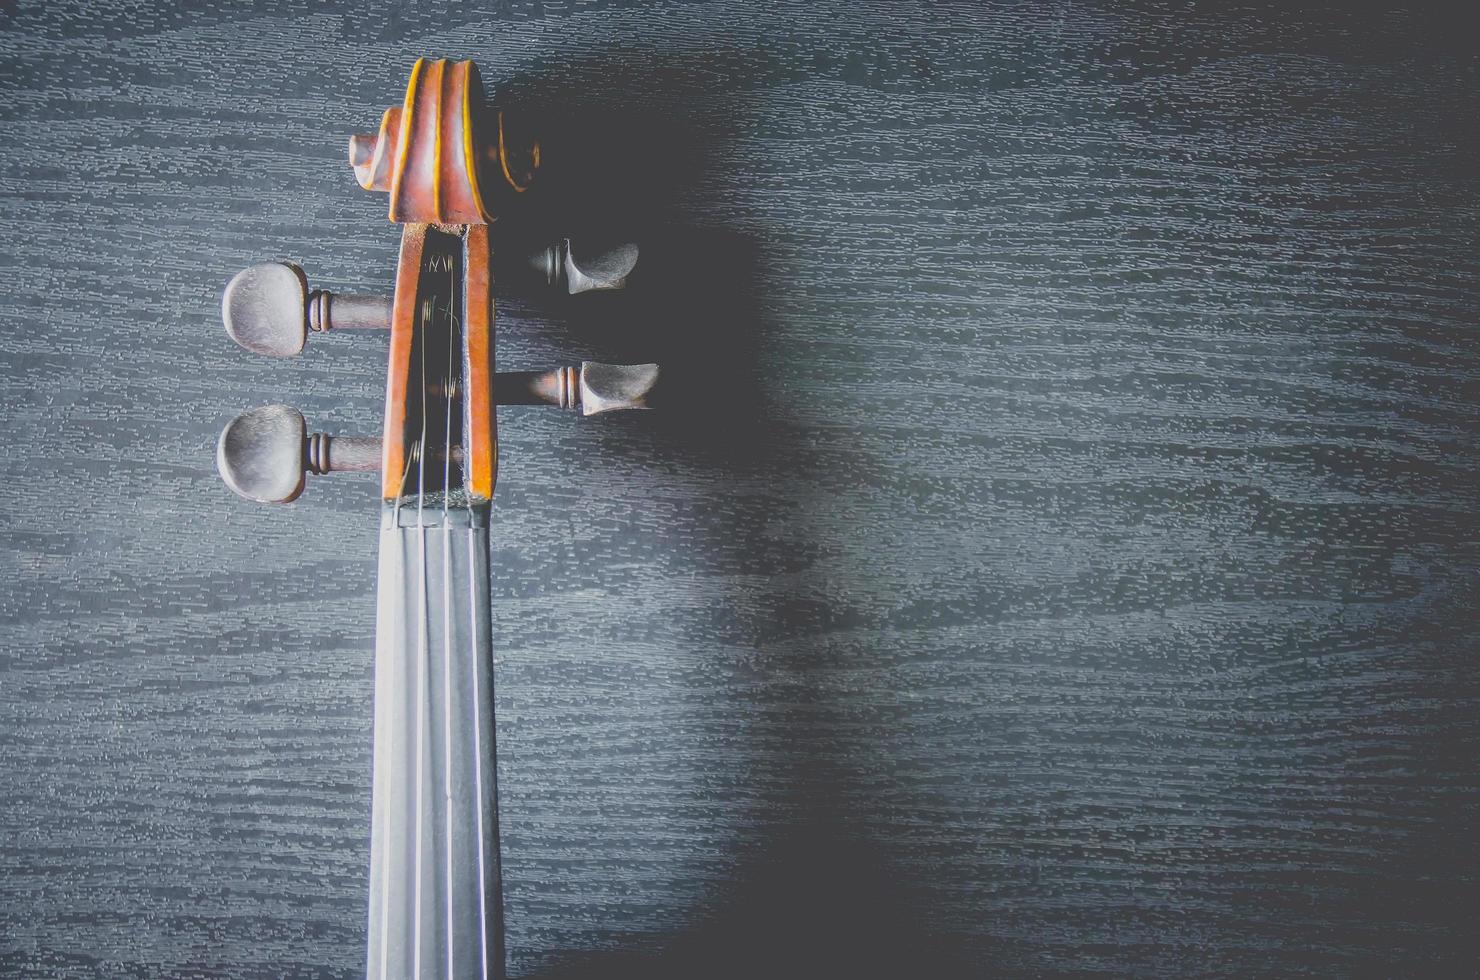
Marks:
<point>442,155</point>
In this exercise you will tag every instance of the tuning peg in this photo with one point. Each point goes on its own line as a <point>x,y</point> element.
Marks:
<point>264,453</point>
<point>607,270</point>
<point>592,388</point>
<point>269,309</point>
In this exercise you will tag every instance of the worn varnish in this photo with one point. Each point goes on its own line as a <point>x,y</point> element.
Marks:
<point>1061,558</point>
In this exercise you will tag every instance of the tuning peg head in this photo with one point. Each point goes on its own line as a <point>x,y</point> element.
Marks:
<point>261,454</point>
<point>612,387</point>
<point>560,268</point>
<point>265,309</point>
<point>268,309</point>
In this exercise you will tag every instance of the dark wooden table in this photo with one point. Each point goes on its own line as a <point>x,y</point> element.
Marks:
<point>1063,559</point>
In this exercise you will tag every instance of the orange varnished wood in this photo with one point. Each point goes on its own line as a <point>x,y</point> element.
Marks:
<point>518,155</point>
<point>481,427</point>
<point>398,373</point>
<point>443,155</point>
<point>435,177</point>
<point>372,156</point>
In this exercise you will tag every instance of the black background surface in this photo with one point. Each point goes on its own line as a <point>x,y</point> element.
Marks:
<point>1060,558</point>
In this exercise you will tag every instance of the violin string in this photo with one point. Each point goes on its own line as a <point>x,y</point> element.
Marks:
<point>447,728</point>
<point>424,314</point>
<point>447,394</point>
<point>477,691</point>
<point>478,694</point>
<point>449,386</point>
<point>402,493</point>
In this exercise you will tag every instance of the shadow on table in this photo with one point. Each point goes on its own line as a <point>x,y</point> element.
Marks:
<point>806,898</point>
<point>813,906</point>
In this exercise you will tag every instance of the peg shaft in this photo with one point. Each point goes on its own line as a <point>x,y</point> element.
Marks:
<point>342,454</point>
<point>334,311</point>
<point>559,387</point>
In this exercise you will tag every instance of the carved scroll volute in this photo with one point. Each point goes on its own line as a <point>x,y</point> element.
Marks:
<point>443,156</point>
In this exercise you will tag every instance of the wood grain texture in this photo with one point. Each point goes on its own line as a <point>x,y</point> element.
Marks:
<point>1062,558</point>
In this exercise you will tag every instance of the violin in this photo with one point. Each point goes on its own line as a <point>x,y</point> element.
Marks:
<point>451,164</point>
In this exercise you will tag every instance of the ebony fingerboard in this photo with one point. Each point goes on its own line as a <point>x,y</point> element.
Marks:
<point>435,900</point>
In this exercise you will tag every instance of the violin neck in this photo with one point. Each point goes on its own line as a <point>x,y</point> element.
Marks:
<point>435,897</point>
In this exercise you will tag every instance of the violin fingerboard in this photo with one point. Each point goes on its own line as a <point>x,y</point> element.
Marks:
<point>435,898</point>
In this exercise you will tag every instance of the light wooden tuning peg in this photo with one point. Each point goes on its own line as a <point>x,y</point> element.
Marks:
<point>589,389</point>
<point>269,309</point>
<point>561,270</point>
<point>263,454</point>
